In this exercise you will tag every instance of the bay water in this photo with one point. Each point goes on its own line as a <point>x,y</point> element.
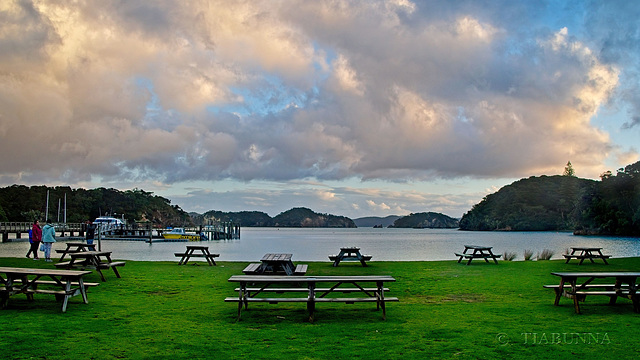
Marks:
<point>386,244</point>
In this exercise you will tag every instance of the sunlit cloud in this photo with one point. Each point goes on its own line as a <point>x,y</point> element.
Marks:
<point>157,94</point>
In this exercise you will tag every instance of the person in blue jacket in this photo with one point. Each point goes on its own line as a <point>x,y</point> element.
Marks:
<point>48,238</point>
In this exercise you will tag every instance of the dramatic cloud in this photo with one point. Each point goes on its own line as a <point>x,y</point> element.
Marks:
<point>176,91</point>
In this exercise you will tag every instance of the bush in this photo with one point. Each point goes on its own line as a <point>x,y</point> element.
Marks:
<point>509,255</point>
<point>546,254</point>
<point>528,254</point>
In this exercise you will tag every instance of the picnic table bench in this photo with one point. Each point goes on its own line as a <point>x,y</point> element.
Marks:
<point>312,294</point>
<point>97,260</point>
<point>274,264</point>
<point>625,286</point>
<point>74,247</point>
<point>189,253</point>
<point>479,252</point>
<point>350,253</point>
<point>64,284</point>
<point>586,253</point>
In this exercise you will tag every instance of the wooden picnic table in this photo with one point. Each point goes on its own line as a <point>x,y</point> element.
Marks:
<point>189,253</point>
<point>64,284</point>
<point>311,294</point>
<point>74,247</point>
<point>479,252</point>
<point>274,264</point>
<point>586,253</point>
<point>97,260</point>
<point>350,253</point>
<point>625,285</point>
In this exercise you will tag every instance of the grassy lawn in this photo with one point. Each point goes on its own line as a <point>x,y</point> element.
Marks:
<point>160,310</point>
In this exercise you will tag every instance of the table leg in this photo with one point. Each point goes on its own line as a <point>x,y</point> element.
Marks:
<point>83,290</point>
<point>67,289</point>
<point>64,253</point>
<point>381,299</point>
<point>582,256</point>
<point>576,304</point>
<point>569,258</point>
<point>364,263</point>
<point>493,256</point>
<point>311,301</point>
<point>472,255</point>
<point>559,292</point>
<point>617,287</point>
<point>603,257</point>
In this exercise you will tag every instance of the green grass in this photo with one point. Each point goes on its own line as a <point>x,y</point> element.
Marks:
<point>160,310</point>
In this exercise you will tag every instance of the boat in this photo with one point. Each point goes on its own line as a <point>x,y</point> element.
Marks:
<point>108,220</point>
<point>181,234</point>
<point>109,224</point>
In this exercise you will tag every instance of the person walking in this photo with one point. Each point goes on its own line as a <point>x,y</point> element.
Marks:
<point>91,232</point>
<point>35,237</point>
<point>48,238</point>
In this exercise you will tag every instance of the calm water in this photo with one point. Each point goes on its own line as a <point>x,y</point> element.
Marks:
<point>382,244</point>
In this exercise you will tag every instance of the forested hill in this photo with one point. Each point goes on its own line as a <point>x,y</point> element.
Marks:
<point>426,220</point>
<point>610,206</point>
<point>296,217</point>
<point>536,203</point>
<point>23,203</point>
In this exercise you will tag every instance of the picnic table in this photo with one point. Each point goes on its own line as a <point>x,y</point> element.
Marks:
<point>97,260</point>
<point>274,264</point>
<point>311,294</point>
<point>350,253</point>
<point>64,284</point>
<point>625,285</point>
<point>189,253</point>
<point>479,252</point>
<point>74,247</point>
<point>586,253</point>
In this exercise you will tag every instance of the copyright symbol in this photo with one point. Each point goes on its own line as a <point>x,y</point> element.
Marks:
<point>502,339</point>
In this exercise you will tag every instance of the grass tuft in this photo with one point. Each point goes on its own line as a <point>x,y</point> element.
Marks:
<point>546,254</point>
<point>509,255</point>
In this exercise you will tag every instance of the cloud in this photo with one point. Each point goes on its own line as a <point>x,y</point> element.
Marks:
<point>174,91</point>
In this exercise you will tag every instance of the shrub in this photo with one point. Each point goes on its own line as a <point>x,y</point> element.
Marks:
<point>546,254</point>
<point>509,255</point>
<point>528,254</point>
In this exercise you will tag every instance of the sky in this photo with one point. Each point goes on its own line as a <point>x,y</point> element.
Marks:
<point>352,108</point>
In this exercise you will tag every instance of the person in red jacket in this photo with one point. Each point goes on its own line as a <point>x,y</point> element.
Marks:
<point>34,239</point>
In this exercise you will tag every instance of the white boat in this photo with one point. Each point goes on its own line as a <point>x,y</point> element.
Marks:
<point>108,223</point>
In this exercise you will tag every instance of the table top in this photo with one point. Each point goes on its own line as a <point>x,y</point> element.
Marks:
<point>197,247</point>
<point>31,271</point>
<point>598,274</point>
<point>350,248</point>
<point>90,254</point>
<point>69,244</point>
<point>310,279</point>
<point>580,248</point>
<point>276,257</point>
<point>477,247</point>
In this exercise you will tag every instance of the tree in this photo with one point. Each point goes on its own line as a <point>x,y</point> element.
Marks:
<point>568,170</point>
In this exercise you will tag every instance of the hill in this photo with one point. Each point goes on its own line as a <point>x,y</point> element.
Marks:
<point>371,221</point>
<point>24,204</point>
<point>548,203</point>
<point>426,220</point>
<point>296,217</point>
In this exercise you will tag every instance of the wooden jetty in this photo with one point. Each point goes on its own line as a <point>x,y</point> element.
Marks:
<point>144,231</point>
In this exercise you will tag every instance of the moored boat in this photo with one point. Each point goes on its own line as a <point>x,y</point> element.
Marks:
<point>181,234</point>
